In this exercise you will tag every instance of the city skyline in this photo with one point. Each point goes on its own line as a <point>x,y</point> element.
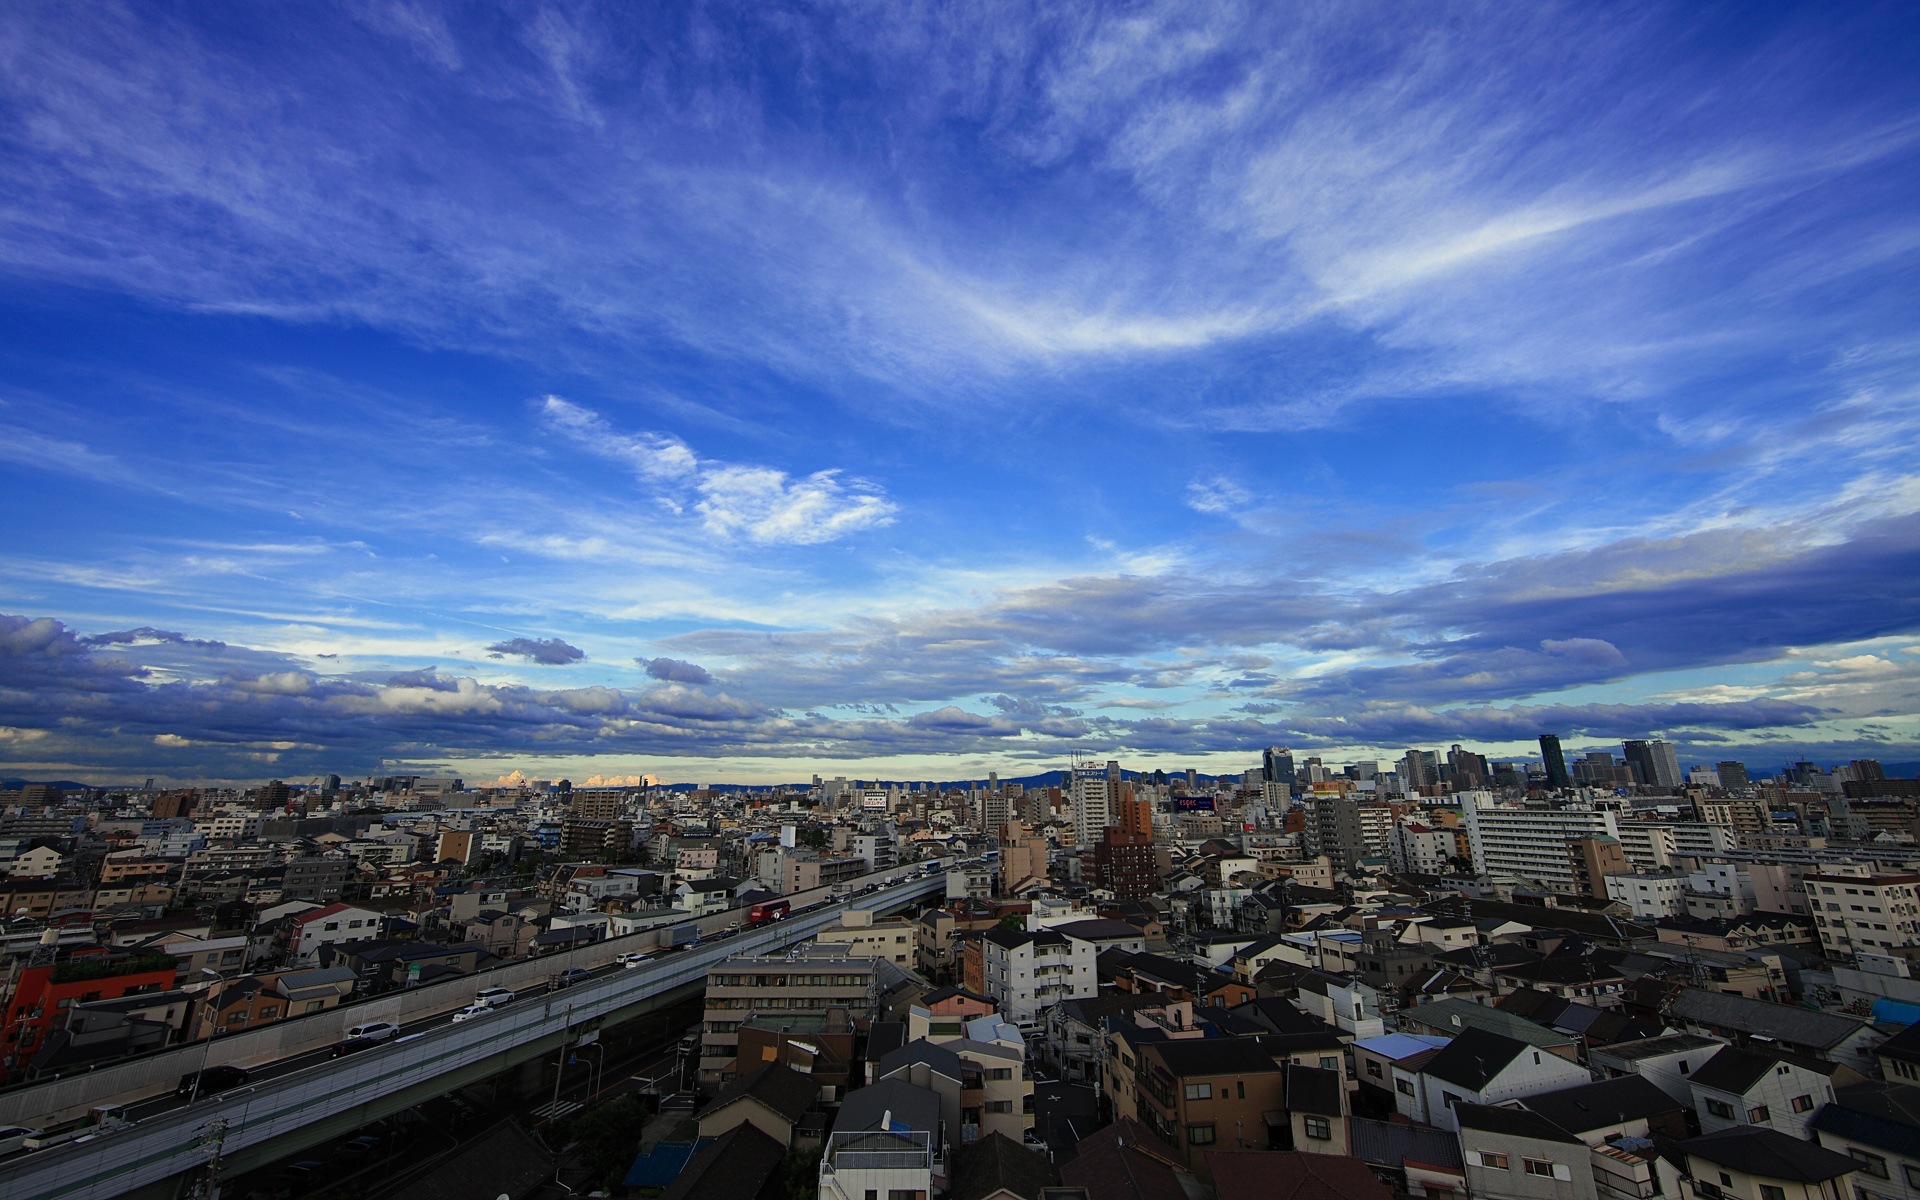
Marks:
<point>754,392</point>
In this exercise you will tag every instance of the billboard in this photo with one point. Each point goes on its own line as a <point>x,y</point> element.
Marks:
<point>1193,803</point>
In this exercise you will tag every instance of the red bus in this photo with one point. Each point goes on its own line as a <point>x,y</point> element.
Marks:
<point>772,910</point>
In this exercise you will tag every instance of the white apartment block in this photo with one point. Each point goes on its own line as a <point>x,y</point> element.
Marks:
<point>1092,804</point>
<point>1530,842</point>
<point>1651,896</point>
<point>1649,847</point>
<point>1027,972</point>
<point>1858,912</point>
<point>1420,848</point>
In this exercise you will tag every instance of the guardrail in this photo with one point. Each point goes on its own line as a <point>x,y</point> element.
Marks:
<point>167,1145</point>
<point>132,1080</point>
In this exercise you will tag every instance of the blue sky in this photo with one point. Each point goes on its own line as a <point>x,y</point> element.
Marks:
<point>740,391</point>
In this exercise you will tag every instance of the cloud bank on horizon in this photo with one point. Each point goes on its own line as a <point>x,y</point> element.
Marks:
<point>409,385</point>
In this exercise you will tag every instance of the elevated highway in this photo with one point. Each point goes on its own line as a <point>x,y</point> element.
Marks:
<point>323,1097</point>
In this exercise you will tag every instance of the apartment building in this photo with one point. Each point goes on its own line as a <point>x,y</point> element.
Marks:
<point>1205,1094</point>
<point>1858,912</point>
<point>1531,842</point>
<point>798,990</point>
<point>1024,971</point>
<point>1652,895</point>
<point>860,935</point>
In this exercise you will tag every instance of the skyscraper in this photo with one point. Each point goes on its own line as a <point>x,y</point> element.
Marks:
<point>1655,763</point>
<point>1277,762</point>
<point>1733,775</point>
<point>1555,761</point>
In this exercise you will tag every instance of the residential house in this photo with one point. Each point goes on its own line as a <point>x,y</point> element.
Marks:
<point>1747,1163</point>
<point>1388,1070</point>
<point>1449,1018</point>
<point>1667,1062</point>
<point>1755,1085</point>
<point>1280,1175</point>
<point>1877,1124</point>
<point>1613,1109</point>
<point>1515,1154</point>
<point>887,1140</point>
<point>1479,1067</point>
<point>771,1099</point>
<point>743,1163</point>
<point>330,925</point>
<point>1837,1036</point>
<point>999,1168</point>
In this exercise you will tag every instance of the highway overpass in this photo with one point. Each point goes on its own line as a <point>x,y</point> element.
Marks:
<point>323,1097</point>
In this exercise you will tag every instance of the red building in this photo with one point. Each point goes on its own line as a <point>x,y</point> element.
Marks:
<point>44,994</point>
<point>1123,864</point>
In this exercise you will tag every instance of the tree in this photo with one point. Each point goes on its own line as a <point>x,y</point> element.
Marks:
<point>814,838</point>
<point>1015,922</point>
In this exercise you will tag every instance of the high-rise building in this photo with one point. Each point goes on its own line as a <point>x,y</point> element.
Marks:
<point>1732,775</point>
<point>1123,863</point>
<point>1136,817</point>
<point>1277,762</point>
<point>1555,761</point>
<point>1094,791</point>
<point>1529,842</point>
<point>1654,763</point>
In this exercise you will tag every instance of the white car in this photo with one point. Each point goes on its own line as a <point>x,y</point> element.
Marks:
<point>631,961</point>
<point>472,1011</point>
<point>13,1138</point>
<point>493,997</point>
<point>373,1031</point>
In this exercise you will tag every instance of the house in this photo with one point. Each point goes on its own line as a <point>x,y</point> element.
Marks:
<point>1666,1062</point>
<point>1388,1070</point>
<point>1315,1103</point>
<point>1449,1018</point>
<point>329,925</point>
<point>1479,1067</point>
<point>744,1163</point>
<point>1125,1162</point>
<point>1760,1086</point>
<point>998,1168</point>
<point>1744,1163</point>
<point>1877,1124</point>
<point>1516,1154</point>
<point>1844,1039</point>
<point>1278,1175</point>
<point>1416,1160</point>
<point>1612,1109</point>
<point>887,1139</point>
<point>1899,1055</point>
<point>772,1100</point>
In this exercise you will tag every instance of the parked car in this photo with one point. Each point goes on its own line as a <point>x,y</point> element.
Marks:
<point>373,1031</point>
<point>493,997</point>
<point>471,1012</point>
<point>360,1149</point>
<point>211,1081</point>
<point>13,1138</point>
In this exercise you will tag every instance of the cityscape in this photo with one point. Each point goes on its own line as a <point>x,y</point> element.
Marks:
<point>819,600</point>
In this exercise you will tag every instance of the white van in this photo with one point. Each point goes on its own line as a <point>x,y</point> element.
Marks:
<point>493,997</point>
<point>373,1031</point>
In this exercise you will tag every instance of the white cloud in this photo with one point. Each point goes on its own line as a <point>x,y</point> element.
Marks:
<point>762,504</point>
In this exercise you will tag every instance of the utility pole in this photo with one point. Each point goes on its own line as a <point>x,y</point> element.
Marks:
<point>214,1136</point>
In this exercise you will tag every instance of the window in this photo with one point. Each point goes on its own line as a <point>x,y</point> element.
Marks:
<point>1199,1091</point>
<point>1872,1164</point>
<point>1683,1066</point>
<point>1319,1129</point>
<point>1802,1103</point>
<point>1539,1166</point>
<point>1720,1108</point>
<point>1492,1161</point>
<point>1726,1180</point>
<point>1373,1068</point>
<point>1200,1135</point>
<point>905,1194</point>
<point>1913,1176</point>
<point>1770,1192</point>
<point>999,1072</point>
<point>1405,1086</point>
<point>1758,1115</point>
<point>1240,1089</point>
<point>1329,1064</point>
<point>999,1106</point>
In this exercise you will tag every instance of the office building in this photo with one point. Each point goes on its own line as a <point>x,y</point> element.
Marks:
<point>1094,791</point>
<point>1858,912</point>
<point>1655,763</point>
<point>1555,761</point>
<point>1276,763</point>
<point>1733,775</point>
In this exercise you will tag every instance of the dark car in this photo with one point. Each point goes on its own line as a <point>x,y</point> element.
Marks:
<point>570,977</point>
<point>306,1168</point>
<point>354,1046</point>
<point>360,1149</point>
<point>210,1081</point>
